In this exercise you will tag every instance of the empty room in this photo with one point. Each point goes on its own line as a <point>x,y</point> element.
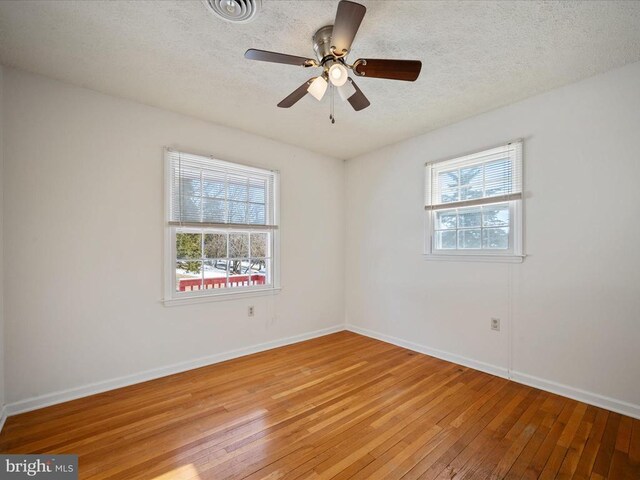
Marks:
<point>278,239</point>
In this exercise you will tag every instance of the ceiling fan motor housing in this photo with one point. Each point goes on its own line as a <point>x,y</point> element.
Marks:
<point>322,42</point>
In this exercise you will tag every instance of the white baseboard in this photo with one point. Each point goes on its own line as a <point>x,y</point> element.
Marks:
<point>595,399</point>
<point>590,398</point>
<point>450,357</point>
<point>3,416</point>
<point>99,387</point>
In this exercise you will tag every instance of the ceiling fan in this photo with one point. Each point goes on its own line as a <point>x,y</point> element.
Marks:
<point>332,44</point>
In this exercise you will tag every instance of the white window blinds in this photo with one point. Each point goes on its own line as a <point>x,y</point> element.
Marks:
<point>490,176</point>
<point>208,192</point>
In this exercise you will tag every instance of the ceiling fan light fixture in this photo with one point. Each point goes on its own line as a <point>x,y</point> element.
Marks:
<point>318,88</point>
<point>346,91</point>
<point>338,74</point>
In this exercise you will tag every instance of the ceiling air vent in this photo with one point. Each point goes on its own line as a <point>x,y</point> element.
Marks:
<point>236,11</point>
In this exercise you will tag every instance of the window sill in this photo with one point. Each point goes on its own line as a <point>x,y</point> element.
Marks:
<point>220,297</point>
<point>475,258</point>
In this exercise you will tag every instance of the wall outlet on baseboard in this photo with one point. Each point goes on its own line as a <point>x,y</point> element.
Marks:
<point>495,324</point>
<point>250,311</point>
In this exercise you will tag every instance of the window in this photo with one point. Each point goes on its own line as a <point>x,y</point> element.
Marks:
<point>473,205</point>
<point>221,228</point>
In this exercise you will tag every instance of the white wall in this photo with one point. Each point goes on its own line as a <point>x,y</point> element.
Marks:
<point>2,366</point>
<point>84,237</point>
<point>574,304</point>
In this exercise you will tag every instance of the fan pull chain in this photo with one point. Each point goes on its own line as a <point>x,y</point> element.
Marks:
<point>332,116</point>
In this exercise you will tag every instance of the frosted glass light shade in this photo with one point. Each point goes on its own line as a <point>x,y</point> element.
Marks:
<point>318,88</point>
<point>346,91</point>
<point>338,74</point>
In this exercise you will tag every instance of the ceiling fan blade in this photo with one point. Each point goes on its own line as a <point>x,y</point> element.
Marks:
<point>358,101</point>
<point>407,70</point>
<point>265,56</point>
<point>348,19</point>
<point>296,95</point>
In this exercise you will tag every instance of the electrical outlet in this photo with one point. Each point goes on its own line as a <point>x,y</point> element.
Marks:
<point>250,312</point>
<point>495,324</point>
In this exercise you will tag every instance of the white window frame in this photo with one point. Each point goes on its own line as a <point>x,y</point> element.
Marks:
<point>171,295</point>
<point>515,252</point>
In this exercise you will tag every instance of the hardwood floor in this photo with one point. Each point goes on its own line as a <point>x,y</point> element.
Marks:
<point>340,406</point>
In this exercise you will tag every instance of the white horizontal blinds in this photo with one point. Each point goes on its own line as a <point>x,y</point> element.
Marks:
<point>490,176</point>
<point>208,192</point>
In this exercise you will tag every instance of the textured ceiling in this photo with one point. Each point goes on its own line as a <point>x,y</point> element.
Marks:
<point>176,55</point>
